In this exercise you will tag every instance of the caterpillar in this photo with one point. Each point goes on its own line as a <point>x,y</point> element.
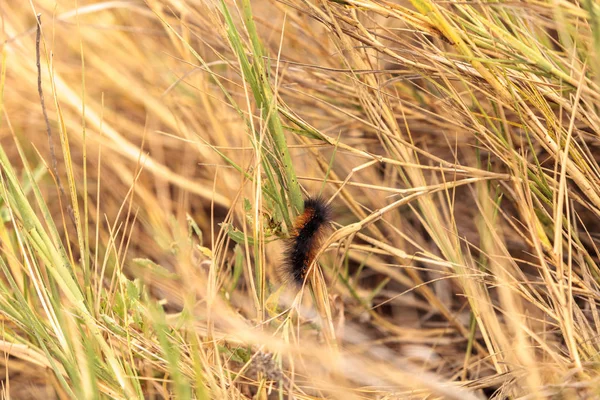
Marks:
<point>306,238</point>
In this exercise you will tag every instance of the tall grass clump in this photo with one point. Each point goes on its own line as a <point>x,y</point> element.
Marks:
<point>154,156</point>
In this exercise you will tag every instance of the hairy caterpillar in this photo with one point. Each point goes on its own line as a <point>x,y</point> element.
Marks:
<point>306,238</point>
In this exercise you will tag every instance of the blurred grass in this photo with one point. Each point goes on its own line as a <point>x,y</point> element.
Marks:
<point>457,143</point>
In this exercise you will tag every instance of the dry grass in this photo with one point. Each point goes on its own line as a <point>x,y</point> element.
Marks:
<point>458,144</point>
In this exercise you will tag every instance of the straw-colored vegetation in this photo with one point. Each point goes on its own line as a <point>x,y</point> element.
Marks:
<point>143,220</point>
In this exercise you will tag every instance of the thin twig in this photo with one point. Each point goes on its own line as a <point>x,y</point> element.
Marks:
<point>54,164</point>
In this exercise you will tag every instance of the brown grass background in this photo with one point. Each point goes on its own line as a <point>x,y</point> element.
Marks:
<point>478,278</point>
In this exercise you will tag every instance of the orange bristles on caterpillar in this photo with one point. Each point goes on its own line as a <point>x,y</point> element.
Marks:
<point>306,239</point>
